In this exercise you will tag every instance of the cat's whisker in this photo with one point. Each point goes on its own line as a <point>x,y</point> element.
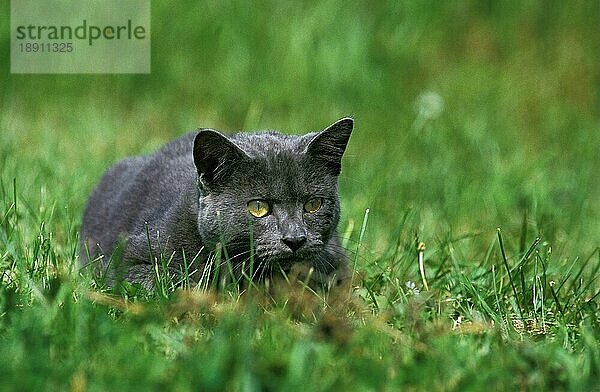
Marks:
<point>260,270</point>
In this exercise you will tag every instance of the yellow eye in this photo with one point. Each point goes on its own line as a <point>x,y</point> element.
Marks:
<point>313,205</point>
<point>258,208</point>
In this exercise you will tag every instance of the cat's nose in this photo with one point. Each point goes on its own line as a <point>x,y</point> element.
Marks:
<point>294,243</point>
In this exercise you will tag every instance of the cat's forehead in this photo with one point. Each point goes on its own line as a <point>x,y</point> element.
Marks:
<point>264,144</point>
<point>279,168</point>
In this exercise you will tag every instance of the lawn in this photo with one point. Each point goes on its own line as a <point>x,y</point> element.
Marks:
<point>470,201</point>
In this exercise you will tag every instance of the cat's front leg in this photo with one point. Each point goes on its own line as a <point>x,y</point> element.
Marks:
<point>142,274</point>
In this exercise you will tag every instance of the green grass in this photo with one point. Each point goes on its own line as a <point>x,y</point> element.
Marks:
<point>470,116</point>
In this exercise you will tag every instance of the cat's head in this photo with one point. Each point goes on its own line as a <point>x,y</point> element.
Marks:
<point>272,195</point>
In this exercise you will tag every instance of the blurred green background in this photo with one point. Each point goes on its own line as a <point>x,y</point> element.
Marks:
<point>470,115</point>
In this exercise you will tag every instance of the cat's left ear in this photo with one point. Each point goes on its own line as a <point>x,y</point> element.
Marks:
<point>215,157</point>
<point>329,145</point>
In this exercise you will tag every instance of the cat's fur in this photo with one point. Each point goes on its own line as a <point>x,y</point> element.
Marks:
<point>190,198</point>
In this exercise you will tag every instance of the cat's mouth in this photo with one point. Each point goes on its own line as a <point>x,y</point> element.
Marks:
<point>284,258</point>
<point>269,259</point>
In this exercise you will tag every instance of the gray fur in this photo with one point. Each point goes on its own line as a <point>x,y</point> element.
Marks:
<point>190,197</point>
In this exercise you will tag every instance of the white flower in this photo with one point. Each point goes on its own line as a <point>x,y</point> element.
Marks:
<point>412,287</point>
<point>430,105</point>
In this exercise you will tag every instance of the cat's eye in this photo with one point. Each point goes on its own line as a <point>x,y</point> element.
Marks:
<point>313,205</point>
<point>258,208</point>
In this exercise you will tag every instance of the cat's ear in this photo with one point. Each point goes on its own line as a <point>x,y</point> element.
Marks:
<point>328,146</point>
<point>215,156</point>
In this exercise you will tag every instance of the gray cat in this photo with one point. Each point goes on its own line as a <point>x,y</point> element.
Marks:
<point>239,205</point>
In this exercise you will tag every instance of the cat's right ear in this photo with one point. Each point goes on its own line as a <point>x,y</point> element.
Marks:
<point>214,157</point>
<point>328,146</point>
